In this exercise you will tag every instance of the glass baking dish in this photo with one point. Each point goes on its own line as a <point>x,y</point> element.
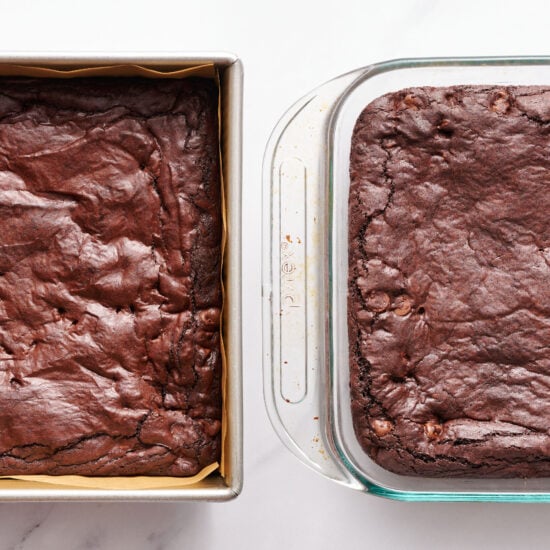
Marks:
<point>306,184</point>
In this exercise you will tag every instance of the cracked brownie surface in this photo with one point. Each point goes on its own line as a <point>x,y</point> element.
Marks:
<point>110,266</point>
<point>448,291</point>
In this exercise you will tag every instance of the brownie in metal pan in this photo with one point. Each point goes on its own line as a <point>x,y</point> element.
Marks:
<point>110,262</point>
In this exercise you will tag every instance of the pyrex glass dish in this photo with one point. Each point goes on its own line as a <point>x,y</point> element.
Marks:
<point>306,172</point>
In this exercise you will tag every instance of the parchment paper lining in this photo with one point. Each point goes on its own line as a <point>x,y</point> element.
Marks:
<point>131,482</point>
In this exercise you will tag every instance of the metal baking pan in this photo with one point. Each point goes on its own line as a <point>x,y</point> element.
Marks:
<point>306,183</point>
<point>215,487</point>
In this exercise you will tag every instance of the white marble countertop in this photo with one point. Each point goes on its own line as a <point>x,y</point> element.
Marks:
<point>287,48</point>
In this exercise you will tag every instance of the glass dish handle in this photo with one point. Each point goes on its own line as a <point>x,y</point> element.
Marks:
<point>294,285</point>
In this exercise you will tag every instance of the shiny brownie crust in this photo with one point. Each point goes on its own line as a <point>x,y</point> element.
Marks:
<point>448,291</point>
<point>110,266</point>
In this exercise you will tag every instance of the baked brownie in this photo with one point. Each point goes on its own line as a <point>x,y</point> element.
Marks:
<point>109,276</point>
<point>449,270</point>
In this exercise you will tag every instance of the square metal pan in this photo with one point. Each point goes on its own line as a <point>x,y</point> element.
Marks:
<point>214,487</point>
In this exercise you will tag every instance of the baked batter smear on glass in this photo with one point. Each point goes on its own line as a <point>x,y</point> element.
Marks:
<point>110,265</point>
<point>449,293</point>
